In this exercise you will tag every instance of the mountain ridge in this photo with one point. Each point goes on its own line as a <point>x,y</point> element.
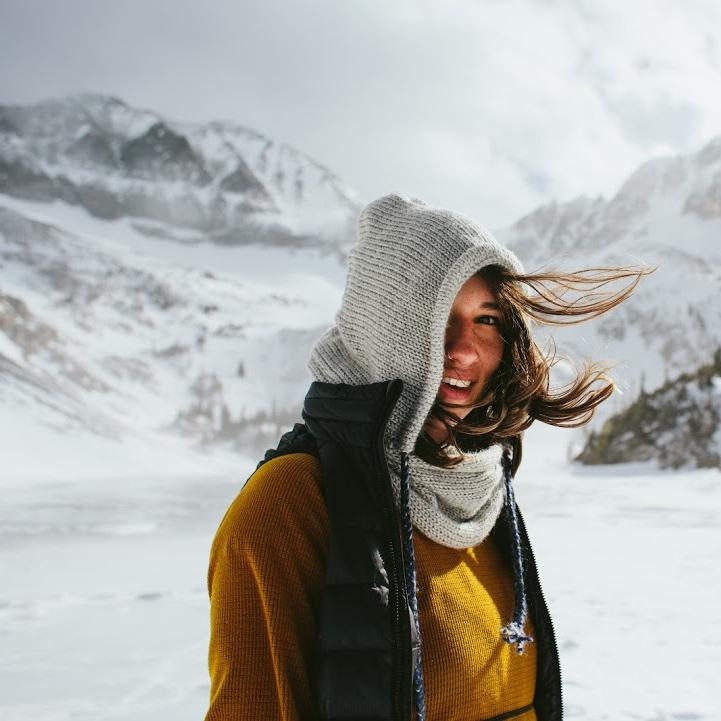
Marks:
<point>224,181</point>
<point>206,336</point>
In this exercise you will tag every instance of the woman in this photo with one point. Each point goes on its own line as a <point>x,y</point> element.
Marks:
<point>376,566</point>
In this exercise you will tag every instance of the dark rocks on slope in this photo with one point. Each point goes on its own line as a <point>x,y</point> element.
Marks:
<point>678,425</point>
<point>162,154</point>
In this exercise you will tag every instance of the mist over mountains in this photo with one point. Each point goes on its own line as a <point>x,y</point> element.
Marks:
<point>219,182</point>
<point>166,277</point>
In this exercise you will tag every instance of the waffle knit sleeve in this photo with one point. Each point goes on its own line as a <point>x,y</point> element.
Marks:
<point>265,580</point>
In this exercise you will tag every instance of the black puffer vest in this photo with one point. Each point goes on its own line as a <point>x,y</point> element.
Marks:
<point>365,645</point>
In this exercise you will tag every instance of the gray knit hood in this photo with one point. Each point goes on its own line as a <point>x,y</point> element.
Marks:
<point>410,261</point>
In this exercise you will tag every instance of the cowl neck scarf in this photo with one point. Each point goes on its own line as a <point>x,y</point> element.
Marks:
<point>456,506</point>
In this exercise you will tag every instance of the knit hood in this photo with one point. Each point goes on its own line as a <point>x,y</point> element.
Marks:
<point>404,273</point>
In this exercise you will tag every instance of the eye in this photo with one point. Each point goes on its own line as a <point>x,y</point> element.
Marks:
<point>487,320</point>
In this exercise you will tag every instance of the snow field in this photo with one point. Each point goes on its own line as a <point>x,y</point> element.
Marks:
<point>104,611</point>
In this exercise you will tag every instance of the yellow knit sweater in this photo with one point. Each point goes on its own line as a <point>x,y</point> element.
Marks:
<point>265,581</point>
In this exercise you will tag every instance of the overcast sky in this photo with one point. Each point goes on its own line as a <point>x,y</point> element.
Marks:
<point>489,107</point>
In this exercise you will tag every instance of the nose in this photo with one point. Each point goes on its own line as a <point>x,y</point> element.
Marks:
<point>460,344</point>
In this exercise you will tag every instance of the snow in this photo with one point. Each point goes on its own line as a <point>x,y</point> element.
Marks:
<point>10,350</point>
<point>628,557</point>
<point>104,612</point>
<point>104,534</point>
<point>281,267</point>
<point>673,320</point>
<point>126,301</point>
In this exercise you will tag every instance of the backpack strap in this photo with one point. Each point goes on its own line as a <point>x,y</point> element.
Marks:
<point>296,440</point>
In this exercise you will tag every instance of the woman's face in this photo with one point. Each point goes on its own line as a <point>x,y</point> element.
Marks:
<point>474,349</point>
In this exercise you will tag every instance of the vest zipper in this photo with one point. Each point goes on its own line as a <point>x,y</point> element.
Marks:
<point>400,631</point>
<point>538,591</point>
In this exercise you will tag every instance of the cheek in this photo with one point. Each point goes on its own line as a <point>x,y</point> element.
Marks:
<point>492,353</point>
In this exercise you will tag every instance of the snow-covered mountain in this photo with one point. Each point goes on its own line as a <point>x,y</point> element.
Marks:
<point>103,339</point>
<point>677,425</point>
<point>668,215</point>
<point>219,181</point>
<point>158,275</point>
<point>144,287</point>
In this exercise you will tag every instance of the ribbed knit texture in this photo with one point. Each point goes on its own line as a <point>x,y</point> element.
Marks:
<point>456,506</point>
<point>266,578</point>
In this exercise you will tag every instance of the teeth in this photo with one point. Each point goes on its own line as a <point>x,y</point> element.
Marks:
<point>456,382</point>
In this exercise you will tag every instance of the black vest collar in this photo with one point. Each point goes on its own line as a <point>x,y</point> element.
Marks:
<point>348,414</point>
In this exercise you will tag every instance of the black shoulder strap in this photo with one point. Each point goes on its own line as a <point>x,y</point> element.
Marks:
<point>296,440</point>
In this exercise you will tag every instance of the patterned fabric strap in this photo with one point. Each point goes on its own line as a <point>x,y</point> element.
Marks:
<point>419,695</point>
<point>514,632</point>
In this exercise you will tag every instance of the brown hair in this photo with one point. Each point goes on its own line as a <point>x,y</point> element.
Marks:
<point>519,392</point>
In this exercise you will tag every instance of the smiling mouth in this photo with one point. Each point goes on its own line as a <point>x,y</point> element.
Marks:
<point>455,390</point>
<point>457,382</point>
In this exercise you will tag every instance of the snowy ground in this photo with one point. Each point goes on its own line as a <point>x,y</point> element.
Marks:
<point>103,607</point>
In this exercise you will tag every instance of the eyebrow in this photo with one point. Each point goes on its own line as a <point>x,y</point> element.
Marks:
<point>488,304</point>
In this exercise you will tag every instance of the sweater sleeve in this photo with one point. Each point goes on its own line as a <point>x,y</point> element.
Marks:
<point>265,580</point>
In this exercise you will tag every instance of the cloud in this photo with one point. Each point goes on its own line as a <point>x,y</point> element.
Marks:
<point>486,107</point>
